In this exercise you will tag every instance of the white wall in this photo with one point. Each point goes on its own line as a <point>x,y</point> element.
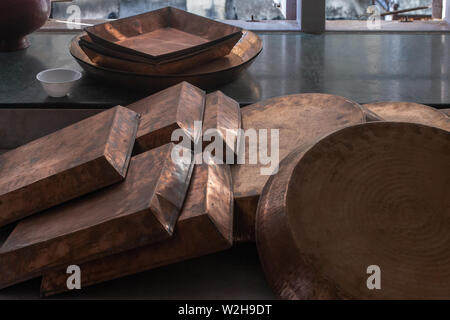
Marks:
<point>446,10</point>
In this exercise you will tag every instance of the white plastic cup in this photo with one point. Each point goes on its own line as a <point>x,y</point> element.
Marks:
<point>58,82</point>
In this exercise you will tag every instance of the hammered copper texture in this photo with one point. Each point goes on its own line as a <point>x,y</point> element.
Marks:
<point>161,34</point>
<point>222,119</point>
<point>301,119</point>
<point>204,226</point>
<point>177,107</point>
<point>410,112</point>
<point>370,194</point>
<point>68,163</point>
<point>206,76</point>
<point>141,210</point>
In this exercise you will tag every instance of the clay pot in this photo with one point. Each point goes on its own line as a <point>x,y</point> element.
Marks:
<point>19,18</point>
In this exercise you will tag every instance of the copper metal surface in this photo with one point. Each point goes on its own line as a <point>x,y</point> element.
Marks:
<point>68,163</point>
<point>300,119</point>
<point>19,18</point>
<point>141,210</point>
<point>177,107</point>
<point>130,63</point>
<point>222,118</point>
<point>410,112</point>
<point>446,111</point>
<point>204,226</point>
<point>371,194</point>
<point>206,76</point>
<point>161,34</point>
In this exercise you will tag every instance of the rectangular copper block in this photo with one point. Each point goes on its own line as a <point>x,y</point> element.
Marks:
<point>68,163</point>
<point>177,107</point>
<point>161,34</point>
<point>221,123</point>
<point>141,210</point>
<point>204,226</point>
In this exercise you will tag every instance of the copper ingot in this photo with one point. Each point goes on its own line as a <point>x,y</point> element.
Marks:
<point>141,210</point>
<point>177,107</point>
<point>375,194</point>
<point>410,112</point>
<point>161,34</point>
<point>206,76</point>
<point>20,18</point>
<point>222,119</point>
<point>68,163</point>
<point>301,119</point>
<point>204,227</point>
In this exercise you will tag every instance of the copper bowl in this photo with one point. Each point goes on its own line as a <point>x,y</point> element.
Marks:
<point>19,18</point>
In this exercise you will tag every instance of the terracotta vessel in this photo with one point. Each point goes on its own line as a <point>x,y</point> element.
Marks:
<point>19,18</point>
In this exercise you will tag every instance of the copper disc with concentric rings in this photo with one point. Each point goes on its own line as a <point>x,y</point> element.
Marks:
<point>410,112</point>
<point>370,194</point>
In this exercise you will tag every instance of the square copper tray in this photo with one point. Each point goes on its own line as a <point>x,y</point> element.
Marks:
<point>161,34</point>
<point>125,61</point>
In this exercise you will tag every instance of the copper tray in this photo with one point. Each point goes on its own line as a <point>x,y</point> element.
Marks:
<point>177,107</point>
<point>161,34</point>
<point>207,76</point>
<point>205,226</point>
<point>68,163</point>
<point>300,118</point>
<point>141,210</point>
<point>369,194</point>
<point>126,62</point>
<point>410,112</point>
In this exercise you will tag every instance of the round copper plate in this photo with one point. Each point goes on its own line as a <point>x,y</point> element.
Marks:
<point>410,112</point>
<point>301,119</point>
<point>375,194</point>
<point>206,76</point>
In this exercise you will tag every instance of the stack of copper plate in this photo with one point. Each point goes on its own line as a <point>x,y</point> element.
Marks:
<point>159,46</point>
<point>353,188</point>
<point>109,195</point>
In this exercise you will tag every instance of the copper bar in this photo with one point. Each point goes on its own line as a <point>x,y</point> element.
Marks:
<point>141,210</point>
<point>204,226</point>
<point>177,107</point>
<point>222,120</point>
<point>68,163</point>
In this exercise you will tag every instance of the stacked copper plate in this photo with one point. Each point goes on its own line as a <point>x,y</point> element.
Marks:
<point>107,194</point>
<point>163,47</point>
<point>357,189</point>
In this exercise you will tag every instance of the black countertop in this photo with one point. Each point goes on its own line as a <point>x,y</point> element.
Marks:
<point>360,66</point>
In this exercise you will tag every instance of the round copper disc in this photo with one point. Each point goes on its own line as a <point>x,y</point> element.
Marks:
<point>410,112</point>
<point>300,118</point>
<point>371,194</point>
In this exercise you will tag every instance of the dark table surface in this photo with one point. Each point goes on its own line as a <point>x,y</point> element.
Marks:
<point>360,66</point>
